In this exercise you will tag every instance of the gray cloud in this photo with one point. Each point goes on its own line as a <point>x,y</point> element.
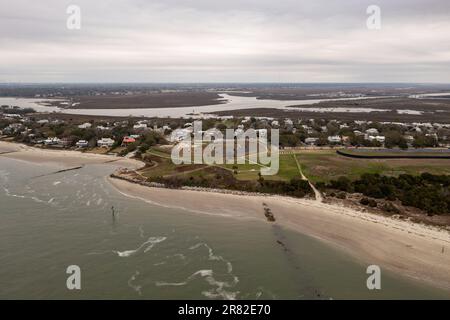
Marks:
<point>237,40</point>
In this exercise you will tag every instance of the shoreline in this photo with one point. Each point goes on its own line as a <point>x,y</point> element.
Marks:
<point>63,158</point>
<point>412,250</point>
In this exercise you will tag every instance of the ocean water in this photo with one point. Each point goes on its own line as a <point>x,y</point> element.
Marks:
<point>49,221</point>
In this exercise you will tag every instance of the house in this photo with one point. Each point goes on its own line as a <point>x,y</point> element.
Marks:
<point>105,142</point>
<point>128,140</point>
<point>372,132</point>
<point>103,128</point>
<point>334,139</point>
<point>409,140</point>
<point>121,123</point>
<point>82,144</point>
<point>52,141</point>
<point>311,141</point>
<point>66,142</point>
<point>12,128</point>
<point>380,139</point>
<point>432,135</point>
<point>86,125</point>
<point>140,126</point>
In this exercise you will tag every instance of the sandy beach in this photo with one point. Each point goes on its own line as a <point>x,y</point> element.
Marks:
<point>63,158</point>
<point>411,250</point>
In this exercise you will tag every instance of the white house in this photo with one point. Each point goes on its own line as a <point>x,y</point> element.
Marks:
<point>372,132</point>
<point>51,141</point>
<point>86,125</point>
<point>311,141</point>
<point>103,128</point>
<point>105,142</point>
<point>409,138</point>
<point>334,139</point>
<point>381,139</point>
<point>82,144</point>
<point>140,126</point>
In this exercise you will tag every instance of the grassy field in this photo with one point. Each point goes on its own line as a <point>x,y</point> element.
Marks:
<point>288,169</point>
<point>325,165</point>
<point>317,165</point>
<point>248,171</point>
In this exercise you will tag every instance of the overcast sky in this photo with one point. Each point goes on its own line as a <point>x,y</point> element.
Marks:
<point>225,41</point>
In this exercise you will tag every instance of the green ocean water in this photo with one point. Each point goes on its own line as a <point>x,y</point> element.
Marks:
<point>49,221</point>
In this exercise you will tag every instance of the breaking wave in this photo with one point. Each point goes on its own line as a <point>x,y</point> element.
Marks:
<point>214,293</point>
<point>146,246</point>
<point>221,289</point>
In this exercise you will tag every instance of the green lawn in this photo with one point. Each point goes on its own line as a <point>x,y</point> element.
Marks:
<point>325,165</point>
<point>288,169</point>
<point>317,165</point>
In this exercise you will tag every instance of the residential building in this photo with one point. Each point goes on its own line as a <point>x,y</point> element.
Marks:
<point>105,142</point>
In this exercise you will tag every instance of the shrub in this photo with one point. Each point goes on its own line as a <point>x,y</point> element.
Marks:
<point>364,201</point>
<point>390,208</point>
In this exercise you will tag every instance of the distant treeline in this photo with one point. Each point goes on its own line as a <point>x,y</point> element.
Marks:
<point>428,192</point>
<point>17,110</point>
